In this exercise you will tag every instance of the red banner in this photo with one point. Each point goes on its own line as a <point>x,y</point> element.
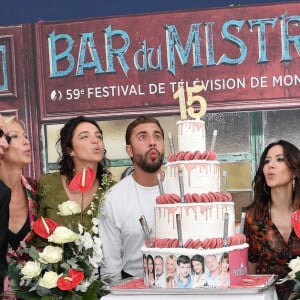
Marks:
<point>244,57</point>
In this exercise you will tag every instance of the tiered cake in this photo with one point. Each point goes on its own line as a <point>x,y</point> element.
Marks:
<point>194,221</point>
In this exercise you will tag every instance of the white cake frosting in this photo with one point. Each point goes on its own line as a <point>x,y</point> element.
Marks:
<point>199,176</point>
<point>198,220</point>
<point>191,135</point>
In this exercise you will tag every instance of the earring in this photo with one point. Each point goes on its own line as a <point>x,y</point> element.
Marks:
<point>104,151</point>
<point>293,184</point>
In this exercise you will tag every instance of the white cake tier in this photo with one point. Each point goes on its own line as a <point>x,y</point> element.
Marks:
<point>191,135</point>
<point>199,176</point>
<point>198,220</point>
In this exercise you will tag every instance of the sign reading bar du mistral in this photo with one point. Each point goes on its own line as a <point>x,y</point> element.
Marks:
<point>244,57</point>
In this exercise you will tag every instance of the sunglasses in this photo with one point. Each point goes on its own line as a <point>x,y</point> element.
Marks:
<point>7,137</point>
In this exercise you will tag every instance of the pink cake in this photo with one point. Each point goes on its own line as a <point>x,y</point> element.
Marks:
<point>194,221</point>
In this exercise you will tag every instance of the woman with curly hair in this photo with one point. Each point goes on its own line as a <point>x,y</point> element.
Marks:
<point>81,147</point>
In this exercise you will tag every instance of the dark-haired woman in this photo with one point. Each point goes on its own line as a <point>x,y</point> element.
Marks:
<point>151,271</point>
<point>197,266</point>
<point>272,240</point>
<point>81,146</point>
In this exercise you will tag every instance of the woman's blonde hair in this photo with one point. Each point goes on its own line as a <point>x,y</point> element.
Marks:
<point>9,119</point>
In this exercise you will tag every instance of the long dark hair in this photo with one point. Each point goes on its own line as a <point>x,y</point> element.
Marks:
<point>64,143</point>
<point>199,258</point>
<point>262,193</point>
<point>149,257</point>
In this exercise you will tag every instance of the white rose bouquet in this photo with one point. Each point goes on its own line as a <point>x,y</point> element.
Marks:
<point>294,275</point>
<point>67,267</point>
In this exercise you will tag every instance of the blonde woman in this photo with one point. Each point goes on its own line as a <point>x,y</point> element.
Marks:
<point>22,207</point>
<point>171,272</point>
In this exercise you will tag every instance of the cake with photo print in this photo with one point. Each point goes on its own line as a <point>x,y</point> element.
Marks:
<point>196,240</point>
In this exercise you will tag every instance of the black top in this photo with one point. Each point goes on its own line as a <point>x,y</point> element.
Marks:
<point>4,216</point>
<point>14,239</point>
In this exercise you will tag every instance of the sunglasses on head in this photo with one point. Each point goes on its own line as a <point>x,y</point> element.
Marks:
<point>7,137</point>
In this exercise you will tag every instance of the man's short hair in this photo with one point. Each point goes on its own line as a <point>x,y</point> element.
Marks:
<point>138,121</point>
<point>183,259</point>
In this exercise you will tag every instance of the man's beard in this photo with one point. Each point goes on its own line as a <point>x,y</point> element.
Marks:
<point>152,166</point>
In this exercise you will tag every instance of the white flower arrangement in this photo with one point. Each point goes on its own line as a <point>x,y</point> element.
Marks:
<point>68,267</point>
<point>69,256</point>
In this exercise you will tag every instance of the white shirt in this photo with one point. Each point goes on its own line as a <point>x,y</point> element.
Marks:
<point>120,230</point>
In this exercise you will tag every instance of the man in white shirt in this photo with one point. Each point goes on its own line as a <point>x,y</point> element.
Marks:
<point>134,196</point>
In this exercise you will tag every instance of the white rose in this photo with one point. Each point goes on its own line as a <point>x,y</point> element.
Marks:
<point>51,255</point>
<point>62,235</point>
<point>294,264</point>
<point>68,208</point>
<point>292,274</point>
<point>49,280</point>
<point>31,269</point>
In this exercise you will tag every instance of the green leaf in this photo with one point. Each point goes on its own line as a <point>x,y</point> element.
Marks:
<point>13,276</point>
<point>27,295</point>
<point>34,254</point>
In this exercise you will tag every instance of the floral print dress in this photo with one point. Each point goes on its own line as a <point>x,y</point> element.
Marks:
<point>268,249</point>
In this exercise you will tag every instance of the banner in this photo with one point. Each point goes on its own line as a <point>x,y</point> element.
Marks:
<point>244,57</point>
